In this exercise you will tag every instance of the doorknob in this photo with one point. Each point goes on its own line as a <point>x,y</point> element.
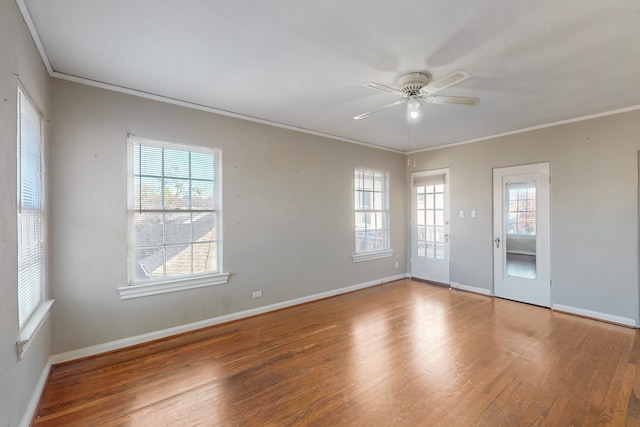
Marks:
<point>497,242</point>
<point>446,237</point>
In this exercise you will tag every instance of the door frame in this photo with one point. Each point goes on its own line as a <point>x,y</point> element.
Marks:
<point>413,222</point>
<point>543,235</point>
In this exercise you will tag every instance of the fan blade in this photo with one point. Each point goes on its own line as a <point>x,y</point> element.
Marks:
<point>385,89</point>
<point>444,82</point>
<point>367,114</point>
<point>459,100</point>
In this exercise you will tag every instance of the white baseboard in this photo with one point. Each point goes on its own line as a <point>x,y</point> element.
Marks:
<point>32,405</point>
<point>139,339</point>
<point>475,290</point>
<point>626,321</point>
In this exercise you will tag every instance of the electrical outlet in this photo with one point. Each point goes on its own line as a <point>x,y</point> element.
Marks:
<point>397,264</point>
<point>256,294</point>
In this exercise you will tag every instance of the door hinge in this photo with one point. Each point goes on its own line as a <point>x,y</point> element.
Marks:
<point>550,283</point>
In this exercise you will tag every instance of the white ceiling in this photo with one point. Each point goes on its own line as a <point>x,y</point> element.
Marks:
<point>302,63</point>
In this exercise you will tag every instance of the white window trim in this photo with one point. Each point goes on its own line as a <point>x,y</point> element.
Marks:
<point>367,256</point>
<point>32,327</point>
<point>145,290</point>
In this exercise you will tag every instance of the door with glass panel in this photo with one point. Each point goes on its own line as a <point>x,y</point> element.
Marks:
<point>521,242</point>
<point>430,225</point>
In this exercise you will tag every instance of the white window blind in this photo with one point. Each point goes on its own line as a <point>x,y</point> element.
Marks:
<point>173,211</point>
<point>30,211</point>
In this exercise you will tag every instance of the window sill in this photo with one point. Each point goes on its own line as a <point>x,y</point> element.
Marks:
<point>144,290</point>
<point>372,255</point>
<point>33,326</point>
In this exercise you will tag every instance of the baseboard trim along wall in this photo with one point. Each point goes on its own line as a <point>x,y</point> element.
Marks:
<point>624,321</point>
<point>32,405</point>
<point>474,289</point>
<point>139,339</point>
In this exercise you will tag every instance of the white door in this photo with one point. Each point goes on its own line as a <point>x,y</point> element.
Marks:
<point>521,246</point>
<point>430,225</point>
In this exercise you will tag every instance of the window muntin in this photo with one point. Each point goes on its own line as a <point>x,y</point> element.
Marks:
<point>173,211</point>
<point>30,212</point>
<point>521,209</point>
<point>371,211</point>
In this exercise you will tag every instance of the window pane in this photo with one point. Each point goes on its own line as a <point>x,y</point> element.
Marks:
<point>176,194</point>
<point>148,229</point>
<point>378,182</point>
<point>204,256</point>
<point>361,221</point>
<point>439,201</point>
<point>149,160</point>
<point>202,196</point>
<point>439,250</point>
<point>149,263</point>
<point>202,166</point>
<point>439,217</point>
<point>179,260</point>
<point>368,181</point>
<point>430,217</point>
<point>148,193</point>
<point>431,253</point>
<point>176,163</point>
<point>431,234</point>
<point>420,201</point>
<point>378,202</point>
<point>177,228</point>
<point>421,249</point>
<point>359,203</point>
<point>429,201</point>
<point>421,217</point>
<point>204,227</point>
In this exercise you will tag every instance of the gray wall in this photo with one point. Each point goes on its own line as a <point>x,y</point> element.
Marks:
<point>287,212</point>
<point>594,208</point>
<point>18,55</point>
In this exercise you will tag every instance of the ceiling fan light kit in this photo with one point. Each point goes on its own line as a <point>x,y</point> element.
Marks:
<point>416,86</point>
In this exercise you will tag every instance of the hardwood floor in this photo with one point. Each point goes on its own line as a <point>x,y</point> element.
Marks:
<point>400,354</point>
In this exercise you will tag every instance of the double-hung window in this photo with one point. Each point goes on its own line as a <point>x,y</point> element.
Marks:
<point>371,191</point>
<point>174,217</point>
<point>32,307</point>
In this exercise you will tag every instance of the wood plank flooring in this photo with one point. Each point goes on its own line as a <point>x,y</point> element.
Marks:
<point>401,354</point>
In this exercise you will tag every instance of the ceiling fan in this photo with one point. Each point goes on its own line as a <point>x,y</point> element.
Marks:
<point>416,86</point>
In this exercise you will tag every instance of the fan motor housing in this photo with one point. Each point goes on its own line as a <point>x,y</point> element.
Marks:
<point>411,83</point>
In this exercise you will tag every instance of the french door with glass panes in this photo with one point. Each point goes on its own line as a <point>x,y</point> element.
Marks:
<point>430,225</point>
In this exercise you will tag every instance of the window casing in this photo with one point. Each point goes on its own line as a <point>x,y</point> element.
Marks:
<point>30,213</point>
<point>371,191</point>
<point>174,215</point>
